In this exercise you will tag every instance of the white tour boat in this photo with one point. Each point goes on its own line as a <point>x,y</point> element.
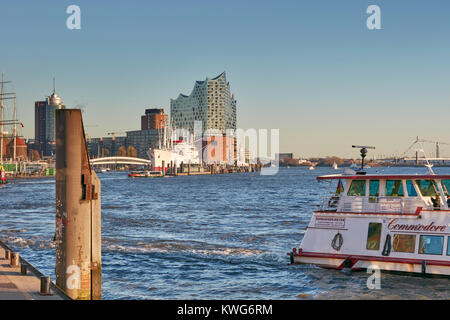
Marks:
<point>396,222</point>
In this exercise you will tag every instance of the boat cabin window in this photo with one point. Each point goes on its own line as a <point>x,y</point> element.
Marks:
<point>394,188</point>
<point>410,188</point>
<point>431,244</point>
<point>374,236</point>
<point>404,243</point>
<point>374,190</point>
<point>446,187</point>
<point>448,246</point>
<point>427,188</point>
<point>357,188</point>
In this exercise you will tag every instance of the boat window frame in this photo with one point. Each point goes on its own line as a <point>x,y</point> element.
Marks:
<point>448,245</point>
<point>374,198</point>
<point>380,226</point>
<point>404,235</point>
<point>434,184</point>
<point>401,186</point>
<point>357,181</point>
<point>415,187</point>
<point>431,235</point>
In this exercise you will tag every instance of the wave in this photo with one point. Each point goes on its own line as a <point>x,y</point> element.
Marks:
<point>200,248</point>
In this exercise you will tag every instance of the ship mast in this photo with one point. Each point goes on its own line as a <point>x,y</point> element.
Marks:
<point>2,106</point>
<point>15,126</point>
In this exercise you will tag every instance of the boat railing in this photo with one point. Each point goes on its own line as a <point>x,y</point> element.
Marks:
<point>330,202</point>
<point>334,202</point>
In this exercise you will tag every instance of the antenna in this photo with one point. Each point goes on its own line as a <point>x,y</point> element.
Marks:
<point>54,88</point>
<point>363,153</point>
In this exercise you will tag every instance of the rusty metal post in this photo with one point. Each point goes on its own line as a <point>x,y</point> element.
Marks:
<point>78,211</point>
<point>45,286</point>
<point>15,259</point>
<point>23,269</point>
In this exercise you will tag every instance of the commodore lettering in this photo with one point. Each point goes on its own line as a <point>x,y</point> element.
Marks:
<point>393,226</point>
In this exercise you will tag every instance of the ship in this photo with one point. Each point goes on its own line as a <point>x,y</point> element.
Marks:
<point>394,222</point>
<point>175,151</point>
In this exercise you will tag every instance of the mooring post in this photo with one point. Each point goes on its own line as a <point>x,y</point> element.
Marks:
<point>45,286</point>
<point>189,168</point>
<point>15,259</point>
<point>163,168</point>
<point>78,211</point>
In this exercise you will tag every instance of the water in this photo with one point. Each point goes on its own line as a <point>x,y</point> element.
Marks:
<point>202,237</point>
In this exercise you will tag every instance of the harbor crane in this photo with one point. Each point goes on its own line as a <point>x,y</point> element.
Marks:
<point>420,141</point>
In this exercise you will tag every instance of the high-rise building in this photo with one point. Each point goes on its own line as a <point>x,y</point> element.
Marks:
<point>44,118</point>
<point>210,102</point>
<point>153,119</point>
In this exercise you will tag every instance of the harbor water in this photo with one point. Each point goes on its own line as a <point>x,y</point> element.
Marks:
<point>202,237</point>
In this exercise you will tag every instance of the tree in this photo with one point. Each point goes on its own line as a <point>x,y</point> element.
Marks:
<point>34,155</point>
<point>122,152</point>
<point>106,152</point>
<point>131,152</point>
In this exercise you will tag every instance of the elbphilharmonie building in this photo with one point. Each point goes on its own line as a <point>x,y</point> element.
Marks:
<point>210,102</point>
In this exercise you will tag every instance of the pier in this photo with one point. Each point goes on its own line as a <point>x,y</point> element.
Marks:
<point>19,280</point>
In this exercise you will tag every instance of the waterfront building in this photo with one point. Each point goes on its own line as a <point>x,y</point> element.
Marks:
<point>44,112</point>
<point>106,146</point>
<point>21,149</point>
<point>284,156</point>
<point>210,102</point>
<point>153,119</point>
<point>142,140</point>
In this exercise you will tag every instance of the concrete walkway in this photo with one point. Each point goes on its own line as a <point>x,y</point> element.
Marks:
<point>15,286</point>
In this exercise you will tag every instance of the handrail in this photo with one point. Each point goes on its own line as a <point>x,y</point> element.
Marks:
<point>37,273</point>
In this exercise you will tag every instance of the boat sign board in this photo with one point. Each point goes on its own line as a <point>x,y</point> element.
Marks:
<point>330,222</point>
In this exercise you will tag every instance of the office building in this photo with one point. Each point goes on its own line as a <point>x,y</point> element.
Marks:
<point>44,112</point>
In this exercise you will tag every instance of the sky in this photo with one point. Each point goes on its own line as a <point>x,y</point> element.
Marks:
<point>311,69</point>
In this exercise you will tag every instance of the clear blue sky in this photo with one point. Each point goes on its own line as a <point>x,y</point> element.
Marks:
<point>309,68</point>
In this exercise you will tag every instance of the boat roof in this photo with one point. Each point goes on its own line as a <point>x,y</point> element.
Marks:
<point>384,176</point>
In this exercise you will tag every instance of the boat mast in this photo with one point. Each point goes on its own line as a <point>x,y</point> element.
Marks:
<point>15,125</point>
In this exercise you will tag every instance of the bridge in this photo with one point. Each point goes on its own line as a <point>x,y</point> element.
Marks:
<point>120,160</point>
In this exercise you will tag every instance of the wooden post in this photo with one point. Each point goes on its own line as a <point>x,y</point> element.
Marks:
<point>78,211</point>
<point>163,163</point>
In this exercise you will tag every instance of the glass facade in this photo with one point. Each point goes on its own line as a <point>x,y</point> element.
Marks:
<point>210,102</point>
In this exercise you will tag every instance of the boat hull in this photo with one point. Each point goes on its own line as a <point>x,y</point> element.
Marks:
<point>341,240</point>
<point>355,263</point>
